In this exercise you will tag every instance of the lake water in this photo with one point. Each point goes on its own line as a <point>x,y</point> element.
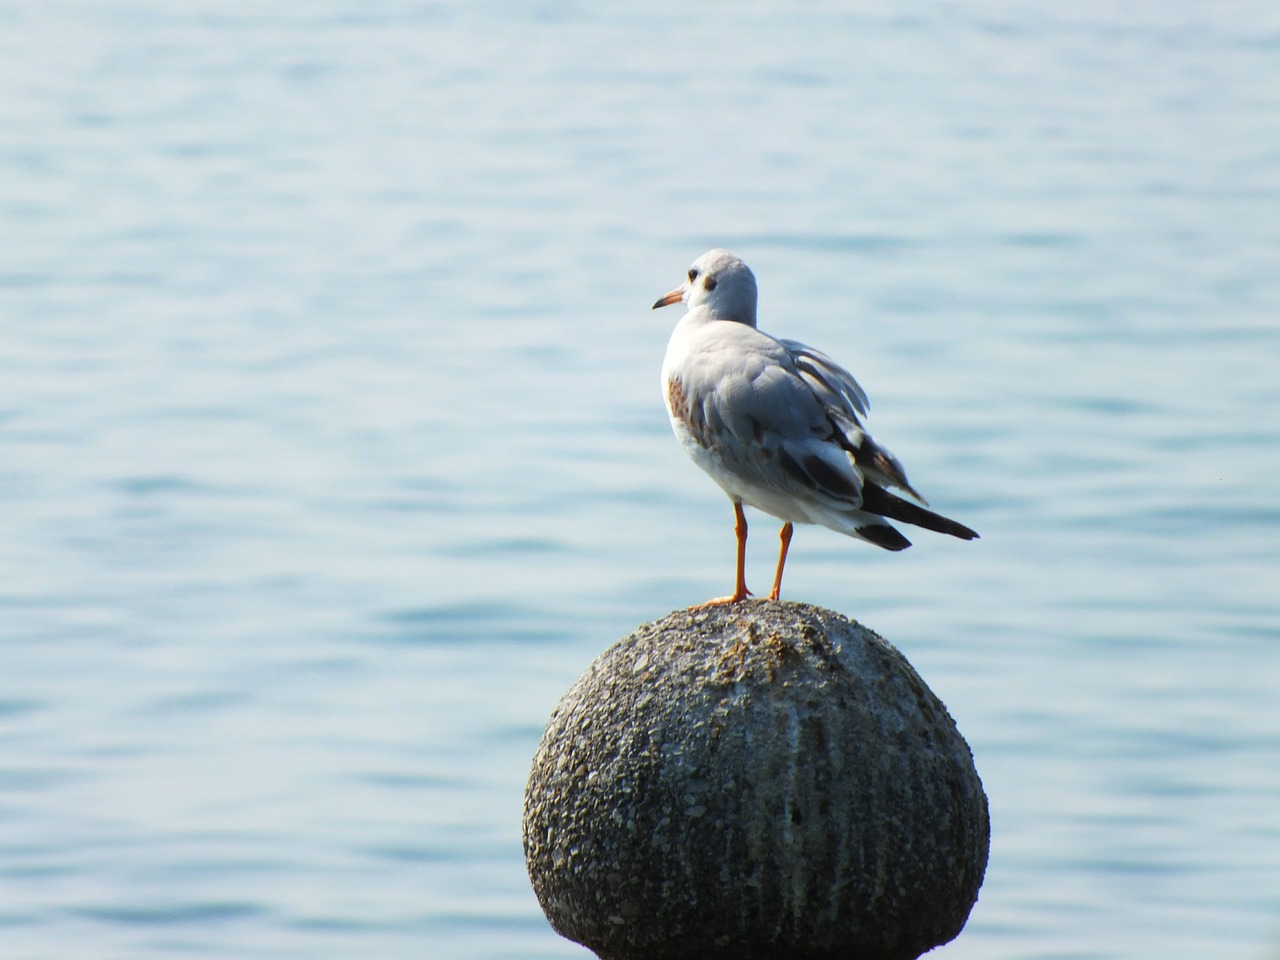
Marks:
<point>331,446</point>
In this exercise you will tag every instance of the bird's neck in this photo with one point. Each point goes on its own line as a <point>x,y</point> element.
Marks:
<point>705,314</point>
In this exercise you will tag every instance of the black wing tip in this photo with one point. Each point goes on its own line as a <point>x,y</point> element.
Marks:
<point>959,530</point>
<point>883,535</point>
<point>940,524</point>
<point>879,501</point>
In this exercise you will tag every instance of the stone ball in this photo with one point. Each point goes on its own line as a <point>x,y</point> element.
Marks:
<point>751,781</point>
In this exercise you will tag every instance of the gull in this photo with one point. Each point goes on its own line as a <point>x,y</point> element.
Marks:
<point>777,424</point>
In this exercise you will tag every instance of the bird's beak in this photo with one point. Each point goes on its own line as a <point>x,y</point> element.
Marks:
<point>675,296</point>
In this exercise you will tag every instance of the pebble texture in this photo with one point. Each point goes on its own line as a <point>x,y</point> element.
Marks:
<point>762,780</point>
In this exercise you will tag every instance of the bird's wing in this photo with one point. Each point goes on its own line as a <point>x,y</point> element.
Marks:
<point>843,399</point>
<point>772,434</point>
<point>744,399</point>
<point>786,416</point>
<point>830,382</point>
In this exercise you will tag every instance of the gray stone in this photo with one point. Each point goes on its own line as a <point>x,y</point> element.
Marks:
<point>761,780</point>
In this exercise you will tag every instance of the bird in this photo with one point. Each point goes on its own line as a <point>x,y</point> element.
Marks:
<point>777,424</point>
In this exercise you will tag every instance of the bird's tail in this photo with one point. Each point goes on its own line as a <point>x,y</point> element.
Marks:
<point>880,501</point>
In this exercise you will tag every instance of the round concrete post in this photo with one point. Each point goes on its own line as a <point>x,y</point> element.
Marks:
<point>758,781</point>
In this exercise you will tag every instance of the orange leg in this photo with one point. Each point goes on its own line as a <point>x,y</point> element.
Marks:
<point>785,537</point>
<point>740,591</point>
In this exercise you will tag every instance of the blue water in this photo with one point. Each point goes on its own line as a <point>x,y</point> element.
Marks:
<point>331,447</point>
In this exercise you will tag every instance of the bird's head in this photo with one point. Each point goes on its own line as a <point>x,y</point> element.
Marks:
<point>721,284</point>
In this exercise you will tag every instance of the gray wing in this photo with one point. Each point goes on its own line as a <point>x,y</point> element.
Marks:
<point>786,416</point>
<point>831,383</point>
<point>843,400</point>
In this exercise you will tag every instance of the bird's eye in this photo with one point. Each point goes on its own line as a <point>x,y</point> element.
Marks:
<point>709,283</point>
<point>693,274</point>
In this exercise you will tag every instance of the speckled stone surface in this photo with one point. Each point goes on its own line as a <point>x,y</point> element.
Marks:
<point>762,780</point>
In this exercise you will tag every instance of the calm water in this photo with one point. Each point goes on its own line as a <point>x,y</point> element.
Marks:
<point>331,449</point>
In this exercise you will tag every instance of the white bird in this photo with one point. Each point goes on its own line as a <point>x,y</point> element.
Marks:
<point>777,424</point>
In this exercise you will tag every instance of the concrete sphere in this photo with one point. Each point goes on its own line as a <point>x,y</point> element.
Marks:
<point>761,781</point>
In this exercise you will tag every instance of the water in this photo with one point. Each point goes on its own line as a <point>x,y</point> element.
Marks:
<point>331,448</point>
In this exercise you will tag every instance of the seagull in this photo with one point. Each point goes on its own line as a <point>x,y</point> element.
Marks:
<point>777,424</point>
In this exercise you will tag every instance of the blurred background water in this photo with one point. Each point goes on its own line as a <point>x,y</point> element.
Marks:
<point>331,446</point>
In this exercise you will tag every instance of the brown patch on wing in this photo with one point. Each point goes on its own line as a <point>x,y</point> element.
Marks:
<point>689,414</point>
<point>872,458</point>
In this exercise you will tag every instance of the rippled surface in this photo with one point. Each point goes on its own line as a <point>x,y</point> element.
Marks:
<point>331,449</point>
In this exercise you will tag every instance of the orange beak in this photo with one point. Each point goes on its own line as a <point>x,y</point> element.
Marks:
<point>675,296</point>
